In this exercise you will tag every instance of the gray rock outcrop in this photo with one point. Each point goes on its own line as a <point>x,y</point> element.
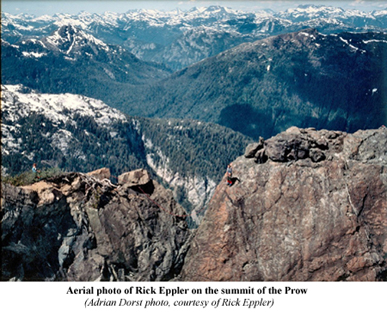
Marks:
<point>77,227</point>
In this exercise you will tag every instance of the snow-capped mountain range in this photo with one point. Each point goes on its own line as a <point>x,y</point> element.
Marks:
<point>70,59</point>
<point>69,40</point>
<point>179,38</point>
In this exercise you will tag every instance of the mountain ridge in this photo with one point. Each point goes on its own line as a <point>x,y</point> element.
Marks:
<point>165,37</point>
<point>302,78</point>
<point>51,65</point>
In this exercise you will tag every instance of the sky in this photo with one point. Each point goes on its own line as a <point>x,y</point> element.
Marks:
<point>51,7</point>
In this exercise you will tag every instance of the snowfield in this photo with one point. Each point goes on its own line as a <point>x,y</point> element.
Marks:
<point>56,107</point>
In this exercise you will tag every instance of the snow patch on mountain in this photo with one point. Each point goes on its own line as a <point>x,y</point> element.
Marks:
<point>374,41</point>
<point>56,107</point>
<point>353,48</point>
<point>61,140</point>
<point>33,54</point>
<point>68,34</point>
<point>8,142</point>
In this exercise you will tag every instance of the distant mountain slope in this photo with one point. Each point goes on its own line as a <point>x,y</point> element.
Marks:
<point>72,61</point>
<point>65,130</point>
<point>180,38</point>
<point>303,78</point>
<point>74,132</point>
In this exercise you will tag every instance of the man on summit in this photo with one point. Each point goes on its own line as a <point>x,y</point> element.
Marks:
<point>229,175</point>
<point>35,171</point>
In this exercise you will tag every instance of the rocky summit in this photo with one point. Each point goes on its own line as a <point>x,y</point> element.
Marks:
<point>304,205</point>
<point>81,227</point>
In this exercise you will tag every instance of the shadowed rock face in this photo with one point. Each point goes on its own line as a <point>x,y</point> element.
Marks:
<point>82,228</point>
<point>305,205</point>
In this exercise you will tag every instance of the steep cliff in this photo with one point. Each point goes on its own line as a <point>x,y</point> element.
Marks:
<point>80,227</point>
<point>304,205</point>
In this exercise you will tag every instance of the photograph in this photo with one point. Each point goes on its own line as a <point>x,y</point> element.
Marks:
<point>192,155</point>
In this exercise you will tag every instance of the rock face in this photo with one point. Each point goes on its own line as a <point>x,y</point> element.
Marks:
<point>306,205</point>
<point>77,227</point>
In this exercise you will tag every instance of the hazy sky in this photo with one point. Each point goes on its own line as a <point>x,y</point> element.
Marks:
<point>100,6</point>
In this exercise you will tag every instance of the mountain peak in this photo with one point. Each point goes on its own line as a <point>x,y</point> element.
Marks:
<point>68,30</point>
<point>212,10</point>
<point>307,12</point>
<point>70,38</point>
<point>216,8</point>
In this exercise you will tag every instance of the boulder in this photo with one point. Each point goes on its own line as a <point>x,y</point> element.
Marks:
<point>253,148</point>
<point>260,156</point>
<point>297,144</point>
<point>134,178</point>
<point>100,174</point>
<point>316,155</point>
<point>286,147</point>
